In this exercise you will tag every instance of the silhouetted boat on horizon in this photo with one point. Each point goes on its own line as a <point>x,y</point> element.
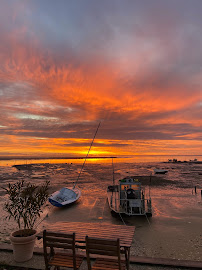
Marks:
<point>160,171</point>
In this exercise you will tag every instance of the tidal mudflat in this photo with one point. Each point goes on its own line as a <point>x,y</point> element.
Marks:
<point>174,231</point>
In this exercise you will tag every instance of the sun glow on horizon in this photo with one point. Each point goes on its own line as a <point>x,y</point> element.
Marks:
<point>79,147</point>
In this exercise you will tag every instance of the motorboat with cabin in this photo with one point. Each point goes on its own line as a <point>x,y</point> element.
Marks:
<point>129,197</point>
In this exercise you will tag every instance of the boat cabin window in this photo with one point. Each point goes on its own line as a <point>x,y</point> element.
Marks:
<point>134,187</point>
<point>125,187</point>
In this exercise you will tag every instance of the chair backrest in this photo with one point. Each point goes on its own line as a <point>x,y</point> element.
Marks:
<point>54,240</point>
<point>106,247</point>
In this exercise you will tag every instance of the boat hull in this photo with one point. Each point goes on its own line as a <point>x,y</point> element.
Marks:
<point>129,198</point>
<point>137,210</point>
<point>64,197</point>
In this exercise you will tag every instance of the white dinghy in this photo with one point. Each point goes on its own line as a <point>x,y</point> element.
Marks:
<point>68,195</point>
<point>64,196</point>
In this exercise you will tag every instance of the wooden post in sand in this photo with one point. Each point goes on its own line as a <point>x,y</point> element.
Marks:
<point>195,189</point>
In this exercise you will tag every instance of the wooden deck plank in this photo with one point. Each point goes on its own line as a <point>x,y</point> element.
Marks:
<point>92,231</point>
<point>115,228</point>
<point>83,224</point>
<point>93,226</point>
<point>83,232</point>
<point>123,234</point>
<point>97,235</point>
<point>81,237</point>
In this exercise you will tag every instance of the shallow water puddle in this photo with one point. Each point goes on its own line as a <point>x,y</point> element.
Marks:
<point>98,209</point>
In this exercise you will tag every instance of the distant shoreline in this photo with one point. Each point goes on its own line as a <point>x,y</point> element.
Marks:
<point>30,158</point>
<point>4,158</point>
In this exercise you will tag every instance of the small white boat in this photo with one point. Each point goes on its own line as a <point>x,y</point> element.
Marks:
<point>64,196</point>
<point>129,197</point>
<point>160,171</point>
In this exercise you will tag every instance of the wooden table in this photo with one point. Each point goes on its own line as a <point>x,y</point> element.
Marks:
<point>98,230</point>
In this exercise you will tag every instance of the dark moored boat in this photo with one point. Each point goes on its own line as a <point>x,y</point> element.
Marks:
<point>128,197</point>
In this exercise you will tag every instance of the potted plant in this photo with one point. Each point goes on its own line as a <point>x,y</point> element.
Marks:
<point>24,205</point>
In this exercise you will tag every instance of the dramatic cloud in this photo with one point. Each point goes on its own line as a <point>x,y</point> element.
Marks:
<point>134,65</point>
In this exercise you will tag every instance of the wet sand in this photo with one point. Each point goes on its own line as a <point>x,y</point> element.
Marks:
<point>174,230</point>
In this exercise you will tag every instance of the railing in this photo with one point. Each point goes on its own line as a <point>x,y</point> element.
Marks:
<point>131,206</point>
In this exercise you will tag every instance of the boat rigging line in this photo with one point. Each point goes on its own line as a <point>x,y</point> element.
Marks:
<point>87,155</point>
<point>148,220</point>
<point>122,219</point>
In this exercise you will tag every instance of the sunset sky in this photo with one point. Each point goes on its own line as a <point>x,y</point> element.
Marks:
<point>134,65</point>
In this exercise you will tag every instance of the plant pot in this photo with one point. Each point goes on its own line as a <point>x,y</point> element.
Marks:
<point>23,246</point>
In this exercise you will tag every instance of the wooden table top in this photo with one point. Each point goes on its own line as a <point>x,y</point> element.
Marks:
<point>98,230</point>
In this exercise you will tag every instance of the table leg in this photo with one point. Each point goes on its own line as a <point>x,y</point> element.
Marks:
<point>127,257</point>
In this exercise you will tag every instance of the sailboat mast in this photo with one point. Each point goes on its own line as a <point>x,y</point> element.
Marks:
<point>113,171</point>
<point>87,155</point>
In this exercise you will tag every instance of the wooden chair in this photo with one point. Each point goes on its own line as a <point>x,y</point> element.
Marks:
<point>110,251</point>
<point>53,243</point>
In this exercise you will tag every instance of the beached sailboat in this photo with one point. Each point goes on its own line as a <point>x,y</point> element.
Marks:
<point>64,196</point>
<point>70,195</point>
<point>128,197</point>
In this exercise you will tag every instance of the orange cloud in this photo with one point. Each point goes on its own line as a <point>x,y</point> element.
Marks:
<point>139,87</point>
